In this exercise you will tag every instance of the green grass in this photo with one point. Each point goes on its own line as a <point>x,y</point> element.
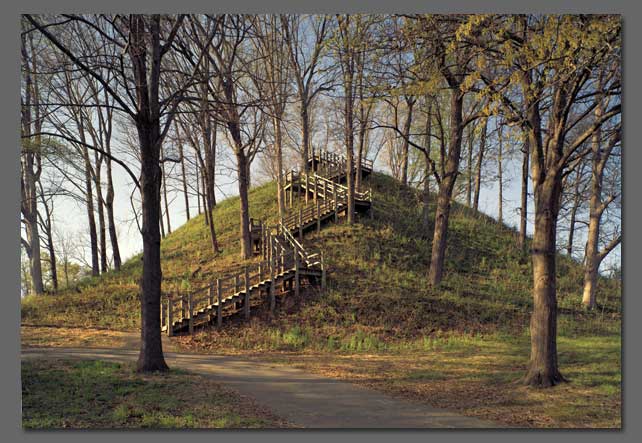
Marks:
<point>99,395</point>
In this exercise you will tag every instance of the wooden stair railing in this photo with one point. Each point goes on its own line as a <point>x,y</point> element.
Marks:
<point>284,260</point>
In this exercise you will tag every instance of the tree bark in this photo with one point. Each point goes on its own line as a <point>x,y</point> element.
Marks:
<point>305,133</point>
<point>246,241</point>
<point>478,168</point>
<point>148,126</point>
<point>184,180</point>
<point>89,202</point>
<point>446,187</point>
<point>151,351</point>
<point>109,205</point>
<point>30,171</point>
<point>164,182</point>
<point>543,369</point>
<point>469,166</point>
<point>500,179</point>
<point>102,228</point>
<point>523,214</point>
<point>428,171</point>
<point>405,147</point>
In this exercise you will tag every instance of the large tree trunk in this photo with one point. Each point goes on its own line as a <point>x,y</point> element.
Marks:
<point>478,168</point>
<point>446,187</point>
<point>523,213</point>
<point>543,369</point>
<point>151,351</point>
<point>147,77</point>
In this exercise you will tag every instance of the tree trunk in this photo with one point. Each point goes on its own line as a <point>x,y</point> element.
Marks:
<point>50,246</point>
<point>591,264</point>
<point>405,146</point>
<point>102,228</point>
<point>350,166</point>
<point>279,165</point>
<point>164,181</point>
<point>571,227</point>
<point>478,169</point>
<point>469,166</point>
<point>109,205</point>
<point>500,179</point>
<point>151,351</point>
<point>427,143</point>
<point>446,187</point>
<point>198,189</point>
<point>29,175</point>
<point>524,202</point>
<point>543,369</point>
<point>246,241</point>
<point>185,195</point>
<point>305,135</point>
<point>93,236</point>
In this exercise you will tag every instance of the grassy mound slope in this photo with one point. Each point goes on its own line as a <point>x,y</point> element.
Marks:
<point>376,278</point>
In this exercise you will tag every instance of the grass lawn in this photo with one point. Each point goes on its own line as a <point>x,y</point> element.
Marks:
<point>101,395</point>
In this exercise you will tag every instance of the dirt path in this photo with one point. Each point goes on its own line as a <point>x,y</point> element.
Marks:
<point>303,399</point>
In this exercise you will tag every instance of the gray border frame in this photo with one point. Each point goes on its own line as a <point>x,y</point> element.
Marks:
<point>10,413</point>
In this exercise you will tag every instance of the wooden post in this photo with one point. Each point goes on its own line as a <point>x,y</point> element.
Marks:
<point>260,273</point>
<point>170,317</point>
<point>272,280</point>
<point>297,282</point>
<point>291,187</point>
<point>237,288</point>
<point>162,314</point>
<point>336,202</point>
<point>325,193</point>
<point>219,306</point>
<point>246,304</point>
<point>318,217</point>
<point>183,307</point>
<point>210,300</point>
<point>316,189</point>
<point>301,224</point>
<point>191,313</point>
<point>307,187</point>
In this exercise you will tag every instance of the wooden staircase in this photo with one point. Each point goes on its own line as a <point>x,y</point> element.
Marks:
<point>284,260</point>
